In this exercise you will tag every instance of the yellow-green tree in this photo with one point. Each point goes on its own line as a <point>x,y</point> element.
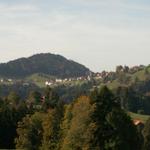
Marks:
<point>13,99</point>
<point>51,128</point>
<point>75,125</point>
<point>30,132</point>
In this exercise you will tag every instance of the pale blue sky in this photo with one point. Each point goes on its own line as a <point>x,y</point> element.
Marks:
<point>97,33</point>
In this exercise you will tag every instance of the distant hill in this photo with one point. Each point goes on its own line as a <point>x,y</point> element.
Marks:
<point>46,63</point>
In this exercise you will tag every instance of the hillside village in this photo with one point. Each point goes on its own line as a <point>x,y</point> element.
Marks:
<point>104,76</point>
<point>51,82</point>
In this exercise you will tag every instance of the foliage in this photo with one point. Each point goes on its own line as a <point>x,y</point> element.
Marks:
<point>90,122</point>
<point>9,116</point>
<point>34,97</point>
<point>146,135</point>
<point>51,98</point>
<point>51,129</point>
<point>75,125</point>
<point>30,132</point>
<point>50,64</point>
<point>111,127</point>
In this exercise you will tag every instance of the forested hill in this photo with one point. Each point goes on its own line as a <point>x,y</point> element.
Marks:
<point>54,65</point>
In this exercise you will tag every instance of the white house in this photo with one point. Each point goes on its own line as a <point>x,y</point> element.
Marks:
<point>2,80</point>
<point>59,80</point>
<point>48,83</point>
<point>9,80</point>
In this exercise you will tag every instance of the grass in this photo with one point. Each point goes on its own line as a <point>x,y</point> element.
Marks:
<point>113,85</point>
<point>39,79</point>
<point>140,75</point>
<point>135,116</point>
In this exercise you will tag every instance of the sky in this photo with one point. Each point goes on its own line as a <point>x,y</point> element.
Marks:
<point>100,34</point>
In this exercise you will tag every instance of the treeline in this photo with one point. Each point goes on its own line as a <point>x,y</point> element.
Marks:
<point>135,98</point>
<point>13,110</point>
<point>132,86</point>
<point>66,93</point>
<point>95,122</point>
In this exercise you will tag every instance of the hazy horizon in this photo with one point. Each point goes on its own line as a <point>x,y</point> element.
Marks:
<point>97,34</point>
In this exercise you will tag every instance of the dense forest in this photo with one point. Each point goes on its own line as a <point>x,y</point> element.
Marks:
<point>90,122</point>
<point>78,110</point>
<point>54,65</point>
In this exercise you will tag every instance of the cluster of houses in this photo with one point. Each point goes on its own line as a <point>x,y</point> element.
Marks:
<point>59,81</point>
<point>89,77</point>
<point>13,81</point>
<point>6,80</point>
<point>66,80</point>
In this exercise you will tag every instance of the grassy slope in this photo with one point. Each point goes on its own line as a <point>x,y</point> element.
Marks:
<point>135,116</point>
<point>140,75</point>
<point>39,79</point>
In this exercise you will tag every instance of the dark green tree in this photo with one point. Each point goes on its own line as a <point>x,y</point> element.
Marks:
<point>111,128</point>
<point>103,104</point>
<point>126,69</point>
<point>124,135</point>
<point>9,117</point>
<point>34,97</point>
<point>13,99</point>
<point>146,135</point>
<point>51,98</point>
<point>29,132</point>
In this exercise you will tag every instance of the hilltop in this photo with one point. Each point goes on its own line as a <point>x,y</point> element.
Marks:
<point>46,63</point>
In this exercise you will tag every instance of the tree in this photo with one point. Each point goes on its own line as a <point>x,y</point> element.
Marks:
<point>146,70</point>
<point>119,69</point>
<point>136,79</point>
<point>93,95</point>
<point>124,135</point>
<point>30,132</point>
<point>51,98</point>
<point>102,105</point>
<point>13,99</point>
<point>130,100</point>
<point>75,125</point>
<point>51,128</point>
<point>110,127</point>
<point>7,127</point>
<point>34,97</point>
<point>146,135</point>
<point>9,117</point>
<point>126,69</point>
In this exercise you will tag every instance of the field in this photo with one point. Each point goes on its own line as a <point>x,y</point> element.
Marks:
<point>135,116</point>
